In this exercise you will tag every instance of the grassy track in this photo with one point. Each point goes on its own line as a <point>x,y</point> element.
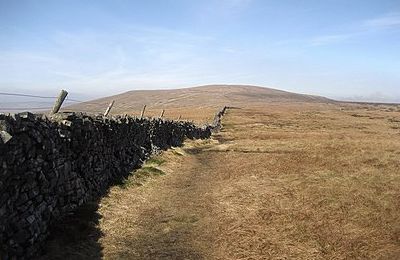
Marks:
<point>279,182</point>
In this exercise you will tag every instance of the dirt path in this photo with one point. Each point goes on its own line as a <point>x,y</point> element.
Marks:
<point>271,185</point>
<point>169,217</point>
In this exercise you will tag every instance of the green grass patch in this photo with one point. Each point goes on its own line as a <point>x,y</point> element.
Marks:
<point>155,161</point>
<point>140,176</point>
<point>127,183</point>
<point>151,170</point>
<point>178,152</point>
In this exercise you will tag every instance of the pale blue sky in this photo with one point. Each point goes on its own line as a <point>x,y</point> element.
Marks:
<point>336,48</point>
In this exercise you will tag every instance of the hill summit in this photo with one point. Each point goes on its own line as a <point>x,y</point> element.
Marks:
<point>201,96</point>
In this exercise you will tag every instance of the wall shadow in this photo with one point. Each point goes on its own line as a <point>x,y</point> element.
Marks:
<point>75,236</point>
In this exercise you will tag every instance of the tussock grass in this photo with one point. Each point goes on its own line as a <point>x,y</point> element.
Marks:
<point>152,170</point>
<point>155,161</point>
<point>178,151</point>
<point>326,188</point>
<point>140,176</point>
<point>148,170</point>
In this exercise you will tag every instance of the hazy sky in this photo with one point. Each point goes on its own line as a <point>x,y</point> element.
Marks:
<point>337,48</point>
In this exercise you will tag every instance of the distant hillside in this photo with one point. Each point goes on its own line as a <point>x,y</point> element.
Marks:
<point>210,96</point>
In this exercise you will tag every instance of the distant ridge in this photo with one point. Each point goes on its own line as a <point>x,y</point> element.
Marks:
<point>200,96</point>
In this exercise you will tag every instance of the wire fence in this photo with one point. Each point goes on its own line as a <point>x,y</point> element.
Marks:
<point>28,102</point>
<point>21,102</point>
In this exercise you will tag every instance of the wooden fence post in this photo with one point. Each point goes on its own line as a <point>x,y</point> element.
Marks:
<point>179,118</point>
<point>60,99</point>
<point>141,115</point>
<point>162,113</point>
<point>109,108</point>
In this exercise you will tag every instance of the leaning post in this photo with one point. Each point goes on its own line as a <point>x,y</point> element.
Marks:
<point>162,113</point>
<point>60,99</point>
<point>109,108</point>
<point>142,114</point>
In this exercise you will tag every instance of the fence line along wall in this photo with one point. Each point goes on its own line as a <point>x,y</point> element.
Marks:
<point>51,166</point>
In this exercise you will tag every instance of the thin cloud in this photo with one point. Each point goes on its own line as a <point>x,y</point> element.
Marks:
<point>369,26</point>
<point>132,55</point>
<point>391,20</point>
<point>330,39</point>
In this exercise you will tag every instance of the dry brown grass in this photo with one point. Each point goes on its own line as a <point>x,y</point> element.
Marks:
<point>312,182</point>
<point>283,181</point>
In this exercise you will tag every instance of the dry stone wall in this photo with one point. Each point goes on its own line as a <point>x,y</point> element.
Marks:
<point>51,166</point>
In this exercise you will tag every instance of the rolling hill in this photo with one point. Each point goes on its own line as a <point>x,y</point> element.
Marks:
<point>206,97</point>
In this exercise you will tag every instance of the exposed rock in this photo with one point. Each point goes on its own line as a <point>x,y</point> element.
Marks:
<point>5,137</point>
